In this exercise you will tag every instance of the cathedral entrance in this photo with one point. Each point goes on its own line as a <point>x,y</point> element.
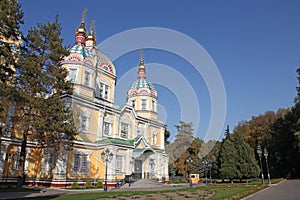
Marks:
<point>138,164</point>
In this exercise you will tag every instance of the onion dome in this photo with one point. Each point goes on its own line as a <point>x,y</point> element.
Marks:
<point>79,47</point>
<point>81,31</point>
<point>141,86</point>
<point>91,39</point>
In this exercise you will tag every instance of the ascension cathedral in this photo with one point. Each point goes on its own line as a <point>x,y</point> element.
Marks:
<point>113,141</point>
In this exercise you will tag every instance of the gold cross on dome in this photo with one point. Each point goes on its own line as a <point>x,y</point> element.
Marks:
<point>92,27</point>
<point>83,15</point>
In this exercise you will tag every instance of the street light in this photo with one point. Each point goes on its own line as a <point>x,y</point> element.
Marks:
<point>210,167</point>
<point>205,163</point>
<point>259,152</point>
<point>188,161</point>
<point>106,157</point>
<point>266,158</point>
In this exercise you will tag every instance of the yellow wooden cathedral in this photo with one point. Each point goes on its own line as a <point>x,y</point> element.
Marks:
<point>113,141</point>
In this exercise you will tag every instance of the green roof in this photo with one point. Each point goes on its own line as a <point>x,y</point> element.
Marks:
<point>118,141</point>
<point>138,150</point>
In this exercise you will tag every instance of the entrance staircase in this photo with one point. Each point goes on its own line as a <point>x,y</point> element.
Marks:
<point>146,184</point>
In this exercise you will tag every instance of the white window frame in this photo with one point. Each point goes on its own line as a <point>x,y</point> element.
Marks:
<point>47,161</point>
<point>154,137</point>
<point>84,120</point>
<point>87,77</point>
<point>124,130</point>
<point>140,131</point>
<point>104,90</point>
<point>81,162</point>
<point>107,128</point>
<point>16,159</point>
<point>77,161</point>
<point>119,164</point>
<point>143,104</point>
<point>73,74</point>
<point>154,105</point>
<point>107,122</point>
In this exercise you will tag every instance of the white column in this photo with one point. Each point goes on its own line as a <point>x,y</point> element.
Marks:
<point>116,126</point>
<point>100,124</point>
<point>61,165</point>
<point>28,151</point>
<point>162,138</point>
<point>146,133</point>
<point>3,155</point>
<point>111,166</point>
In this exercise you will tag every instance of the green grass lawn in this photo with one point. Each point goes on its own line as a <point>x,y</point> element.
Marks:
<point>222,191</point>
<point>227,192</point>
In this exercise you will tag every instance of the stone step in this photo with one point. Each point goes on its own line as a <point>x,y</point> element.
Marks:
<point>143,183</point>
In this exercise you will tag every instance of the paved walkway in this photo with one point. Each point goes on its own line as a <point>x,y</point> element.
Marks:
<point>47,193</point>
<point>287,190</point>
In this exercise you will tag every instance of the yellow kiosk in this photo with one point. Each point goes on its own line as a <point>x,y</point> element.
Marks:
<point>195,178</point>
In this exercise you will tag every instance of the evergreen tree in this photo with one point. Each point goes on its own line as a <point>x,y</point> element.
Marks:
<point>11,17</point>
<point>284,155</point>
<point>228,159</point>
<point>41,83</point>
<point>213,156</point>
<point>246,163</point>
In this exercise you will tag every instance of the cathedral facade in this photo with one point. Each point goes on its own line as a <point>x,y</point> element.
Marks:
<point>113,141</point>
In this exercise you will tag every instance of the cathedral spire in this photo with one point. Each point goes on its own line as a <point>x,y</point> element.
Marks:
<point>81,31</point>
<point>141,67</point>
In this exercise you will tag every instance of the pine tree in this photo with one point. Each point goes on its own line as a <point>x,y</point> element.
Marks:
<point>228,160</point>
<point>11,17</point>
<point>42,83</point>
<point>246,163</point>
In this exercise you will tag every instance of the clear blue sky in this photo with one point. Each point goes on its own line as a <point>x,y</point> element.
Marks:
<point>254,43</point>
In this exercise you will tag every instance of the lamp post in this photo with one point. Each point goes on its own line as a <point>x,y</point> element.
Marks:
<point>205,163</point>
<point>210,167</point>
<point>266,158</point>
<point>106,157</point>
<point>259,152</point>
<point>189,160</point>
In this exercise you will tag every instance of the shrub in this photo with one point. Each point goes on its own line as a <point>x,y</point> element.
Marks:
<point>176,181</point>
<point>75,185</point>
<point>169,182</point>
<point>184,181</point>
<point>99,185</point>
<point>89,184</point>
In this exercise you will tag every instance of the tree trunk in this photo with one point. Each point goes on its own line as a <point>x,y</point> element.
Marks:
<point>21,173</point>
